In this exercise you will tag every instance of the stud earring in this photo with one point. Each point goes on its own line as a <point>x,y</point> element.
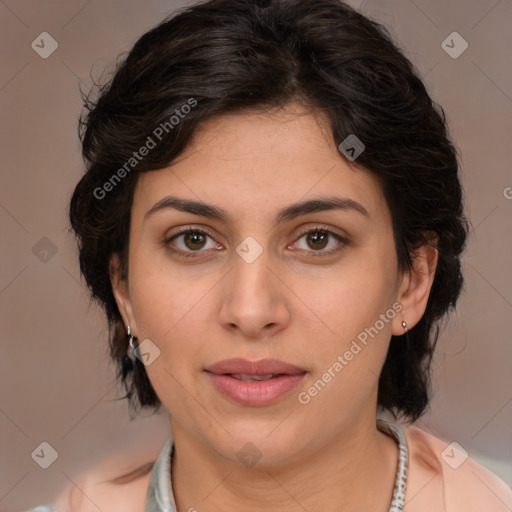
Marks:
<point>404,325</point>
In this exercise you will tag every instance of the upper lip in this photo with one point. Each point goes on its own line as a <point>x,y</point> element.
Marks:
<point>261,367</point>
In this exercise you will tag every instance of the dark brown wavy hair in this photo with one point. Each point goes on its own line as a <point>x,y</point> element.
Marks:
<point>236,55</point>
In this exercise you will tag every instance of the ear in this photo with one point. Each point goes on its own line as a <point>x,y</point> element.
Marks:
<point>414,289</point>
<point>122,294</point>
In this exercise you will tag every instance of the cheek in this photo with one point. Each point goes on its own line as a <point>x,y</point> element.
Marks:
<point>164,299</point>
<point>169,312</point>
<point>352,298</point>
<point>347,367</point>
<point>355,311</point>
<point>173,311</point>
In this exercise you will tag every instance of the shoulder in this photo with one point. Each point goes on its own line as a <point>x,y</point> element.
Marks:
<point>445,474</point>
<point>117,484</point>
<point>116,491</point>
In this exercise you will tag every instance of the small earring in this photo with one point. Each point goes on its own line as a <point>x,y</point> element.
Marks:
<point>128,361</point>
<point>404,325</point>
<point>130,338</point>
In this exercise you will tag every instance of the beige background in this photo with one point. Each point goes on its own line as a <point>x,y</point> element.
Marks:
<point>56,383</point>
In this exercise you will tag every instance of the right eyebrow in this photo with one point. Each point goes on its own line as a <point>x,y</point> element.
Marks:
<point>189,206</point>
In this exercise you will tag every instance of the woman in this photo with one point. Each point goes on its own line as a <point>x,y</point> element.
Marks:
<point>272,220</point>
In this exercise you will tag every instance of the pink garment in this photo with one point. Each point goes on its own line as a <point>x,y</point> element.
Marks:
<point>434,485</point>
<point>440,479</point>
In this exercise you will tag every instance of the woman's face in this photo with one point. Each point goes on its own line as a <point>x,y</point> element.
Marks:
<point>276,277</point>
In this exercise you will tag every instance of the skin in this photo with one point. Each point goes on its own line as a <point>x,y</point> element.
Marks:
<point>327,455</point>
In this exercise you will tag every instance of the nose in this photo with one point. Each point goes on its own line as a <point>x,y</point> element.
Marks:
<point>254,300</point>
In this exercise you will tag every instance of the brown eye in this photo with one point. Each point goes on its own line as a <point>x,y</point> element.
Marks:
<point>317,240</point>
<point>191,242</point>
<point>194,240</point>
<point>320,242</point>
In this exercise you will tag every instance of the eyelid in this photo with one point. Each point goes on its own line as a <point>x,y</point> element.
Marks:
<point>321,227</point>
<point>188,229</point>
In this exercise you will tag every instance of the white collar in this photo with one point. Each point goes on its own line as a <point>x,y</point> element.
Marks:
<point>160,497</point>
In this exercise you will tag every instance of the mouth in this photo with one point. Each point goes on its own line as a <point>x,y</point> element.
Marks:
<point>253,378</point>
<point>254,383</point>
<point>263,368</point>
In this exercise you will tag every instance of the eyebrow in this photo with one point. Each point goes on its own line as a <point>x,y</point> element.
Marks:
<point>286,214</point>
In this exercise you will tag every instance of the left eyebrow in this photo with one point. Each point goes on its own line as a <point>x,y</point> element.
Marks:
<point>319,205</point>
<point>286,214</point>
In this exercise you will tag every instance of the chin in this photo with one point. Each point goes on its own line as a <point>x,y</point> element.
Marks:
<point>259,446</point>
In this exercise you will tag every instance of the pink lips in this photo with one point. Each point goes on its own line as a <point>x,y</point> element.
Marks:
<point>240,380</point>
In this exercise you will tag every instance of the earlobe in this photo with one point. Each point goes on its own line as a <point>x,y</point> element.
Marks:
<point>121,293</point>
<point>415,289</point>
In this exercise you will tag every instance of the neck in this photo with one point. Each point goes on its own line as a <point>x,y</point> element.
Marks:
<point>353,471</point>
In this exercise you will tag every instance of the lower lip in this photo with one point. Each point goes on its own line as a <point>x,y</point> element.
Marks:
<point>255,393</point>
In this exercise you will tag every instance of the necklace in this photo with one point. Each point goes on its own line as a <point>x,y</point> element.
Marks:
<point>398,501</point>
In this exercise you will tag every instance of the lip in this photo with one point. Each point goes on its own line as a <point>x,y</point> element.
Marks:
<point>254,393</point>
<point>261,367</point>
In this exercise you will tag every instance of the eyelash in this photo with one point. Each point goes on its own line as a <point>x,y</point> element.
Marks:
<point>313,254</point>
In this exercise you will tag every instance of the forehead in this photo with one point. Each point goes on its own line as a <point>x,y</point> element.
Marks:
<point>255,163</point>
